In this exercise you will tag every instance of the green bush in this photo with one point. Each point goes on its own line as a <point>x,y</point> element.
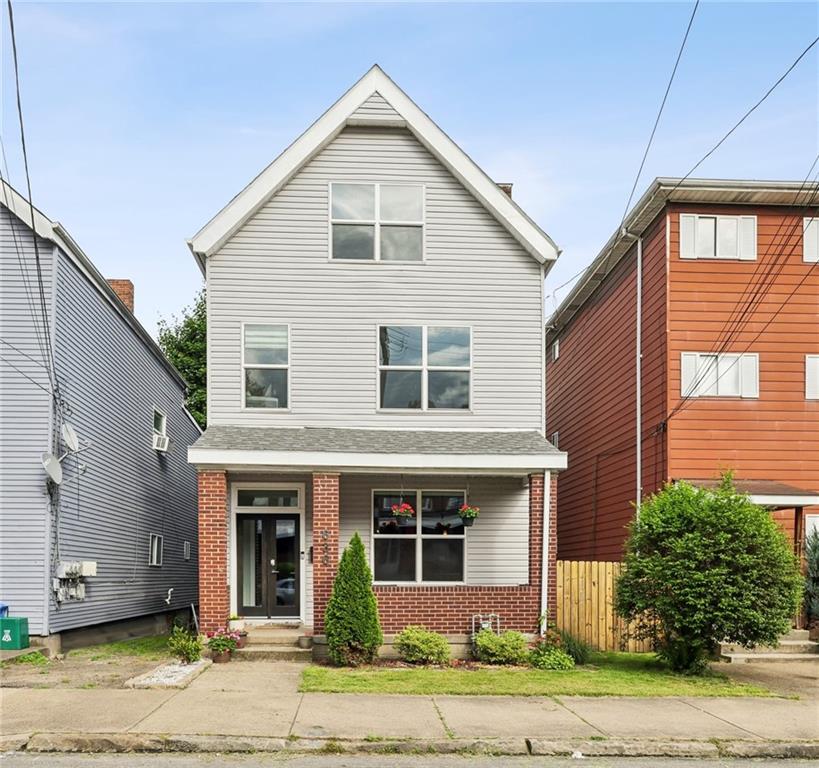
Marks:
<point>417,645</point>
<point>812,578</point>
<point>351,619</point>
<point>547,656</point>
<point>186,646</point>
<point>706,566</point>
<point>507,648</point>
<point>579,650</point>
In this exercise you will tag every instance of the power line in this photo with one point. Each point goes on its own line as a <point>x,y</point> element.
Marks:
<point>660,112</point>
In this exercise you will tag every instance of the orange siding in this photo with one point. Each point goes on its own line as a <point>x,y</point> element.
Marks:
<point>591,403</point>
<point>775,437</point>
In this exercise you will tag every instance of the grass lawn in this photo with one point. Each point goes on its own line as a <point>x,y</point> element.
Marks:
<point>608,674</point>
<point>154,648</point>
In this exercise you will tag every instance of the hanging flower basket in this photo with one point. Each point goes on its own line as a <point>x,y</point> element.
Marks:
<point>468,514</point>
<point>403,512</point>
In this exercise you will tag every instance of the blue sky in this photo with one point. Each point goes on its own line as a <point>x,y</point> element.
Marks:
<point>143,120</point>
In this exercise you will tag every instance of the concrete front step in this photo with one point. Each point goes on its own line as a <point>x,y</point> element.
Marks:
<point>797,634</point>
<point>759,658</point>
<point>785,646</point>
<point>273,636</point>
<point>269,652</point>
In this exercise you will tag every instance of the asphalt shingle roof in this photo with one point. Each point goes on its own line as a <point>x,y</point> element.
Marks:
<point>326,439</point>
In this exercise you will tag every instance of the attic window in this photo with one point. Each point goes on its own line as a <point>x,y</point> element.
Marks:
<point>377,222</point>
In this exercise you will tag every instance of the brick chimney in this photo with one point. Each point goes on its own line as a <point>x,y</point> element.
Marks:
<point>506,188</point>
<point>124,289</point>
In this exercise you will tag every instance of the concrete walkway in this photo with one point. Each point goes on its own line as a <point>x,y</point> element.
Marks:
<point>262,700</point>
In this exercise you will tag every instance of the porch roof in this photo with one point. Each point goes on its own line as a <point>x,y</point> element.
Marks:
<point>516,452</point>
<point>768,493</point>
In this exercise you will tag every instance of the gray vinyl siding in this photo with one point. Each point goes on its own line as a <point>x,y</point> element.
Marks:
<point>112,383</point>
<point>276,270</point>
<point>376,106</point>
<point>25,418</point>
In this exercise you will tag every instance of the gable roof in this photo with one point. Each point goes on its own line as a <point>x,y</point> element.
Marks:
<point>54,232</point>
<point>374,100</point>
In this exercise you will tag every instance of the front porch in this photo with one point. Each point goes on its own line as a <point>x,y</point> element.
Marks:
<point>270,538</point>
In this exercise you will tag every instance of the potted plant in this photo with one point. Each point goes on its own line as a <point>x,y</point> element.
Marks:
<point>221,644</point>
<point>237,626</point>
<point>468,513</point>
<point>403,511</point>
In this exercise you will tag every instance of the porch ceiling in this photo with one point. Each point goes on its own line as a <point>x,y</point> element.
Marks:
<point>463,451</point>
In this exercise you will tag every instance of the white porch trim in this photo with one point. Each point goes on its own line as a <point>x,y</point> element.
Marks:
<point>774,500</point>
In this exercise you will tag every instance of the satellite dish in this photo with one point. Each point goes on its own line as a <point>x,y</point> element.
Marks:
<point>70,438</point>
<point>52,466</point>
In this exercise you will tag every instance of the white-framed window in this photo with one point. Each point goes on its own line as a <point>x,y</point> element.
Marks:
<point>155,547</point>
<point>160,423</point>
<point>717,237</point>
<point>555,439</point>
<point>810,239</point>
<point>376,222</point>
<point>706,374</point>
<point>266,365</point>
<point>555,349</point>
<point>429,547</point>
<point>812,377</point>
<point>424,367</point>
<point>186,550</point>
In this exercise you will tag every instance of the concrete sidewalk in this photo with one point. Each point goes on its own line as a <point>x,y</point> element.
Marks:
<point>261,700</point>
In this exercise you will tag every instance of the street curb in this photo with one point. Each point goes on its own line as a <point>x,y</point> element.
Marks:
<point>141,742</point>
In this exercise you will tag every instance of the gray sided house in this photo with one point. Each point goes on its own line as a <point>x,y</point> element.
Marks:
<point>375,338</point>
<point>119,531</point>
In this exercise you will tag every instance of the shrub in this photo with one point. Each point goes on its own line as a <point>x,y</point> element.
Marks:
<point>351,619</point>
<point>812,578</point>
<point>702,567</point>
<point>547,656</point>
<point>507,648</point>
<point>186,646</point>
<point>418,645</point>
<point>579,650</point>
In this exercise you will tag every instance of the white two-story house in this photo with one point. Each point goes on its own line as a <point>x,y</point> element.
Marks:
<point>375,338</point>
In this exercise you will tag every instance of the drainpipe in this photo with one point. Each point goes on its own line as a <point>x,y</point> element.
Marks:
<point>638,367</point>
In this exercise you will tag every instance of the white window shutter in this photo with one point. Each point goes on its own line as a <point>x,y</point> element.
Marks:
<point>812,377</point>
<point>810,241</point>
<point>688,373</point>
<point>688,225</point>
<point>747,238</point>
<point>749,375</point>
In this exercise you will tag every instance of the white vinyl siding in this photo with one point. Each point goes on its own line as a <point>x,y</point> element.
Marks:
<point>717,237</point>
<point>276,270</point>
<point>707,374</point>
<point>812,377</point>
<point>810,240</point>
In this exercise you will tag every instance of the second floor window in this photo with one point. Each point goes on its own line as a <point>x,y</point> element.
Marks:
<point>810,241</point>
<point>377,222</point>
<point>266,363</point>
<point>717,237</point>
<point>424,367</point>
<point>719,375</point>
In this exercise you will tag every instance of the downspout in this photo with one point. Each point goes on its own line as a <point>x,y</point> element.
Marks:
<point>638,368</point>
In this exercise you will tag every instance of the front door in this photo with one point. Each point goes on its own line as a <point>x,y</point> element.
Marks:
<point>268,560</point>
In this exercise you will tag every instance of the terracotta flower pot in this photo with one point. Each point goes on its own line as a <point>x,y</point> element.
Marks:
<point>221,658</point>
<point>242,641</point>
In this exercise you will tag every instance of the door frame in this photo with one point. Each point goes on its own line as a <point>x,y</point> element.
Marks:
<point>233,564</point>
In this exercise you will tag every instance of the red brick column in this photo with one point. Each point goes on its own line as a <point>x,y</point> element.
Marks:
<point>551,554</point>
<point>325,543</point>
<point>536,490</point>
<point>214,597</point>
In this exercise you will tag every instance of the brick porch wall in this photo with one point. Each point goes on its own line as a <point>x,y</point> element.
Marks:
<point>442,609</point>
<point>214,597</point>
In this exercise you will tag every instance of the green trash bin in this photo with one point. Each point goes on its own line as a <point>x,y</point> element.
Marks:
<point>13,633</point>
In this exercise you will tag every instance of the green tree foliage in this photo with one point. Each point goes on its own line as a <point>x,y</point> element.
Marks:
<point>703,567</point>
<point>812,578</point>
<point>351,619</point>
<point>184,342</point>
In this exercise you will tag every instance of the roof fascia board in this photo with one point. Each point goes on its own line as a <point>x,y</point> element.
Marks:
<point>784,500</point>
<point>222,226</point>
<point>54,232</point>
<point>392,461</point>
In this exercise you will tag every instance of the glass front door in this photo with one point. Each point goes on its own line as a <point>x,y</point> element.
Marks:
<point>268,565</point>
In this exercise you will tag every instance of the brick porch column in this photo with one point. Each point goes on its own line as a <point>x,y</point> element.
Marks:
<point>325,543</point>
<point>214,597</point>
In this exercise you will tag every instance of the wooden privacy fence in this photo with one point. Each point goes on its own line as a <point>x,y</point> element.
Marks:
<point>585,605</point>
